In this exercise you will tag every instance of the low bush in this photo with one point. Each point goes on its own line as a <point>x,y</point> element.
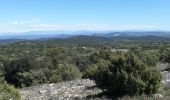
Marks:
<point>26,72</point>
<point>8,92</point>
<point>126,75</point>
<point>65,72</point>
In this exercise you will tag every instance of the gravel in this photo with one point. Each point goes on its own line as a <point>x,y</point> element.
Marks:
<point>71,90</point>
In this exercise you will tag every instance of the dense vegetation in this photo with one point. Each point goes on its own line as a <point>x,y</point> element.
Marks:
<point>121,66</point>
<point>124,74</point>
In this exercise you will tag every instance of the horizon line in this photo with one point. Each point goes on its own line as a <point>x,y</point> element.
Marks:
<point>93,31</point>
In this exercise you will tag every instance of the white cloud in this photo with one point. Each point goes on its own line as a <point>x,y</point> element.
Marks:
<point>139,26</point>
<point>92,26</point>
<point>25,21</point>
<point>45,26</point>
<point>18,22</point>
<point>31,25</point>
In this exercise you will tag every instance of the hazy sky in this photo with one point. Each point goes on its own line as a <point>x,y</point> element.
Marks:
<point>42,15</point>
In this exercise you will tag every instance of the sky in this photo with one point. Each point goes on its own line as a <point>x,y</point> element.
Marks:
<point>51,15</point>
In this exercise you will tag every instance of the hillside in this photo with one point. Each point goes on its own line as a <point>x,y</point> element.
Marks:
<point>83,89</point>
<point>43,68</point>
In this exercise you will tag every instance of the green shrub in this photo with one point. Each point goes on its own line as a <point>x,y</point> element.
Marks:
<point>90,71</point>
<point>27,72</point>
<point>149,57</point>
<point>126,75</point>
<point>65,72</point>
<point>165,55</point>
<point>8,92</point>
<point>20,72</point>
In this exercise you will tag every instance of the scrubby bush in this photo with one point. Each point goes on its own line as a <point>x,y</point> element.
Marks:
<point>17,72</point>
<point>26,72</point>
<point>165,55</point>
<point>8,92</point>
<point>150,57</point>
<point>126,75</point>
<point>65,72</point>
<point>90,71</point>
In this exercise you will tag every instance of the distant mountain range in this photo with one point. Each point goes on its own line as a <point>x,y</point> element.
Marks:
<point>65,34</point>
<point>135,34</point>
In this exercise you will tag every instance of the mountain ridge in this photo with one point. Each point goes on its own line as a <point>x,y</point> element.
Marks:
<point>65,34</point>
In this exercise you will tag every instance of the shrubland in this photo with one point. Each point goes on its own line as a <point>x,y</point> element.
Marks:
<point>124,74</point>
<point>119,73</point>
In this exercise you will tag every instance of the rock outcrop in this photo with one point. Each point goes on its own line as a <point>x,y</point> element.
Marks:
<point>77,89</point>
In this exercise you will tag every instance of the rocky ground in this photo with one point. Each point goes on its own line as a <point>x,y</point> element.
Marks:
<point>165,71</point>
<point>164,92</point>
<point>77,89</point>
<point>80,89</point>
